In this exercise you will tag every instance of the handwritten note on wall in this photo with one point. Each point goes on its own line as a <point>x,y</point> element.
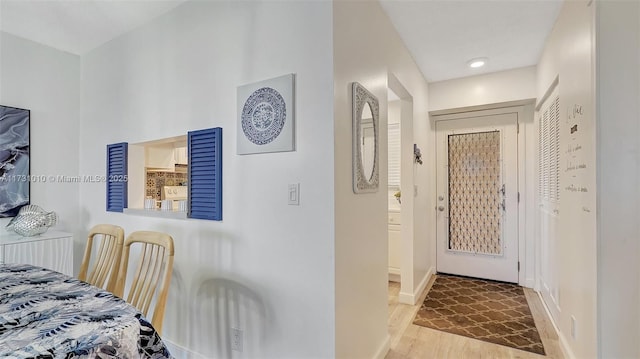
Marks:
<point>576,157</point>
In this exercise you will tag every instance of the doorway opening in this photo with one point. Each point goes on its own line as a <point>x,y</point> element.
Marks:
<point>480,177</point>
<point>401,188</point>
<point>477,188</point>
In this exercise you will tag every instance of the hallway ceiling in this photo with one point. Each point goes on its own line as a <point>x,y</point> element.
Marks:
<point>442,35</point>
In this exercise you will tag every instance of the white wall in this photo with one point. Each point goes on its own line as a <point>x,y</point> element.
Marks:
<point>366,49</point>
<point>503,86</point>
<point>47,82</point>
<point>267,268</point>
<point>568,55</point>
<point>394,111</point>
<point>618,159</point>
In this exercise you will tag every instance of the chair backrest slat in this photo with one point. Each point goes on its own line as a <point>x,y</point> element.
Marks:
<point>150,260</point>
<point>155,264</point>
<point>107,262</point>
<point>151,279</point>
<point>104,265</point>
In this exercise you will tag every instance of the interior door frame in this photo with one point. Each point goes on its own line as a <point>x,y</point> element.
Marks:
<point>528,245</point>
<point>501,265</point>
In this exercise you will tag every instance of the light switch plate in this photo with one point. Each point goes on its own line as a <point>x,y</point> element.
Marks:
<point>294,194</point>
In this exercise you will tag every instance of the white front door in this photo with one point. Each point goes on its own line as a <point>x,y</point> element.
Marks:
<point>477,196</point>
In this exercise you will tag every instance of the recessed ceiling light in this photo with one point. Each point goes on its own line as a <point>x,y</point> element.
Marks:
<point>478,62</point>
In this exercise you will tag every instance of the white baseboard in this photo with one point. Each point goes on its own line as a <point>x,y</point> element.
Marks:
<point>180,352</point>
<point>394,277</point>
<point>406,298</point>
<point>412,298</point>
<point>529,283</point>
<point>383,349</point>
<point>564,345</point>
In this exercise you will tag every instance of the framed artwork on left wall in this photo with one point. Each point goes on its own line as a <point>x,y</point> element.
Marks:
<point>14,160</point>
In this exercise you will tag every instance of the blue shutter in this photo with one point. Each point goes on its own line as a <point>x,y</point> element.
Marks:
<point>116,177</point>
<point>205,173</point>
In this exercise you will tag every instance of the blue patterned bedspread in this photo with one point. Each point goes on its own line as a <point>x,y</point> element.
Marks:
<point>46,314</point>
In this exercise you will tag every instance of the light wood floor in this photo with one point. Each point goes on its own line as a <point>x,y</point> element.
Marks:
<point>413,341</point>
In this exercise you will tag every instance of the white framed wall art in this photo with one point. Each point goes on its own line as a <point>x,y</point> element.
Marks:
<point>266,116</point>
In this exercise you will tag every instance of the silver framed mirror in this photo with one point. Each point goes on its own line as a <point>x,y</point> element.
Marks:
<point>366,116</point>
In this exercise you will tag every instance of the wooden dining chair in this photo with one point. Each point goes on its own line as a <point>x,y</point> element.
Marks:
<point>155,265</point>
<point>106,264</point>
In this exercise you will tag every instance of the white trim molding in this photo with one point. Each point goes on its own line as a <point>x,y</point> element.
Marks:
<point>180,352</point>
<point>412,298</point>
<point>383,349</point>
<point>564,345</point>
<point>491,106</point>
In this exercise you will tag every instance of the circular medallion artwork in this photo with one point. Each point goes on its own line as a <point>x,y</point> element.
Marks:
<point>263,116</point>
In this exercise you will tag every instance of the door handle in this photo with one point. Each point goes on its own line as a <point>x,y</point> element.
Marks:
<point>440,208</point>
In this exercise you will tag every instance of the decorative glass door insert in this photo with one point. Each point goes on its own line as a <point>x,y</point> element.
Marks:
<point>476,193</point>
